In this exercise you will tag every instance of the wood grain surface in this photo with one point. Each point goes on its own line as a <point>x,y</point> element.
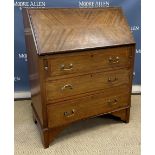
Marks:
<point>80,65</point>
<point>70,111</point>
<point>58,30</point>
<point>60,89</point>
<point>88,61</point>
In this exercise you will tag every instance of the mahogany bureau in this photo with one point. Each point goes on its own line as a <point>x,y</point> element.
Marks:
<point>80,65</point>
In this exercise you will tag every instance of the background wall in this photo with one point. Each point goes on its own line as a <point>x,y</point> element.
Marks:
<point>132,11</point>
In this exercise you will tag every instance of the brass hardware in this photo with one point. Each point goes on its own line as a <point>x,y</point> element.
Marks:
<point>113,101</point>
<point>70,67</point>
<point>27,31</point>
<point>112,79</point>
<point>69,114</point>
<point>114,60</point>
<point>46,64</point>
<point>46,68</point>
<point>67,86</point>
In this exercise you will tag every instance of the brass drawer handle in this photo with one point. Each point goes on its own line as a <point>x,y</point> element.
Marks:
<point>46,68</point>
<point>70,67</point>
<point>112,79</point>
<point>69,114</point>
<point>113,101</point>
<point>114,60</point>
<point>69,86</point>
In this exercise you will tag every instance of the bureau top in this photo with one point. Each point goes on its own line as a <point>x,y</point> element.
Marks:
<point>62,30</point>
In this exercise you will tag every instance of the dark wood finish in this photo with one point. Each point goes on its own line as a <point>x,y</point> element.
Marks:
<point>85,83</point>
<point>78,68</point>
<point>47,135</point>
<point>95,27</point>
<point>84,107</point>
<point>122,114</point>
<point>81,62</point>
<point>34,76</point>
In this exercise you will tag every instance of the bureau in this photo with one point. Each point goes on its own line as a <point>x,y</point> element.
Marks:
<point>80,65</point>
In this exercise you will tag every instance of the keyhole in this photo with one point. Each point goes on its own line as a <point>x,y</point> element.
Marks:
<point>92,55</point>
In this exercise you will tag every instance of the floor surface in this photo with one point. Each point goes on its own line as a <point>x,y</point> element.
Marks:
<point>95,136</point>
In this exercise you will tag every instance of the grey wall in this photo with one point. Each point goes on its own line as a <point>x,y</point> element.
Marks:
<point>132,11</point>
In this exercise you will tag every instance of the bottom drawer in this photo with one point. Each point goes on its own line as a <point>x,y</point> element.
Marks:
<point>69,111</point>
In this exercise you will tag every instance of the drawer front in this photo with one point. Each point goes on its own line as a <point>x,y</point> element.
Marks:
<point>58,89</point>
<point>88,61</point>
<point>69,111</point>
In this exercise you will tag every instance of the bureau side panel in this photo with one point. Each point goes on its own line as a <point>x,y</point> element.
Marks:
<point>133,49</point>
<point>33,68</point>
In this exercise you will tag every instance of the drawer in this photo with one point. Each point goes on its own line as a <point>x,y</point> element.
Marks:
<point>88,61</point>
<point>69,111</point>
<point>59,89</point>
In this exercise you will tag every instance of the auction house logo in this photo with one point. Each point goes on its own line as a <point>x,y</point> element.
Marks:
<point>17,78</point>
<point>22,56</point>
<point>135,28</point>
<point>138,51</point>
<point>93,4</point>
<point>31,4</point>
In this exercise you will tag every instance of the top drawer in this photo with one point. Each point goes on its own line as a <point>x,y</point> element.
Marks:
<point>88,61</point>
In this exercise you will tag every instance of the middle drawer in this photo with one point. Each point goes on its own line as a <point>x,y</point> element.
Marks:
<point>62,88</point>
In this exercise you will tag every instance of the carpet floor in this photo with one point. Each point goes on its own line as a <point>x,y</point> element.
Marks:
<point>95,136</point>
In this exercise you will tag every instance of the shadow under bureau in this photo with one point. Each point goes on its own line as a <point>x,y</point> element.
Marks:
<point>80,65</point>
